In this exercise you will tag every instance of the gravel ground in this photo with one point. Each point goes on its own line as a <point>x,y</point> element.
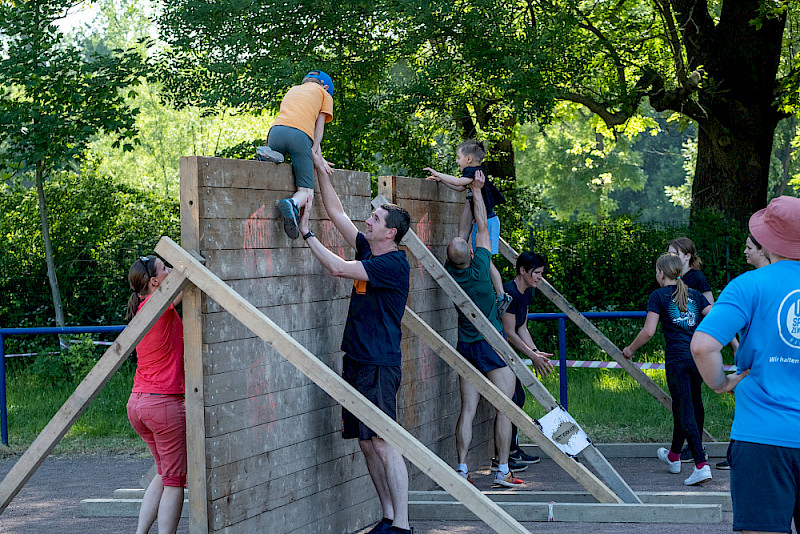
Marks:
<point>50,502</point>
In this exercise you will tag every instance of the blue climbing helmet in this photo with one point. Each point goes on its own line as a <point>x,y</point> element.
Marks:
<point>324,78</point>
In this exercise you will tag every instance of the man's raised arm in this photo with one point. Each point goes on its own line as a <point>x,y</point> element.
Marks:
<point>333,205</point>
<point>479,212</point>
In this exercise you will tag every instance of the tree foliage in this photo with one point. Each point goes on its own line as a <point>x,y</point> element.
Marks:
<point>482,67</point>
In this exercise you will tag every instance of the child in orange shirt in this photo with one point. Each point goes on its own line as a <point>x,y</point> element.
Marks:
<point>298,132</point>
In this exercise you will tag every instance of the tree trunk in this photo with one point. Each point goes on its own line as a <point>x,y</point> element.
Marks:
<point>48,250</point>
<point>732,169</point>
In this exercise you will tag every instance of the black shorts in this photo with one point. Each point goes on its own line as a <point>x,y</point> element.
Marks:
<point>764,486</point>
<point>379,384</point>
<point>481,355</point>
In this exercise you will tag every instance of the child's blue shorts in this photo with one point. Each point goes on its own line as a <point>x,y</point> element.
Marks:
<point>494,234</point>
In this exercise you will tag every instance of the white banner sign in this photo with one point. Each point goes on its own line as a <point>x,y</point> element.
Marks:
<point>563,430</point>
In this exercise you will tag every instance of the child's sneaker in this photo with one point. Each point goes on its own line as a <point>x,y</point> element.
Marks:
<point>265,153</point>
<point>503,302</point>
<point>699,476</point>
<point>506,481</point>
<point>686,454</point>
<point>289,212</point>
<point>674,467</point>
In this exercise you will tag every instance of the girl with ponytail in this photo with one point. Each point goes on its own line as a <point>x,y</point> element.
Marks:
<point>679,309</point>
<point>156,407</point>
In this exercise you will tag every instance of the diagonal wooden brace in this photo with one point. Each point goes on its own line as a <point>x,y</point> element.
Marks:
<point>598,337</point>
<point>337,388</point>
<point>499,344</point>
<point>89,387</point>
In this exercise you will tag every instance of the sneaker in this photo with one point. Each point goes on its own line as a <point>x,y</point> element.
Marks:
<point>381,528</point>
<point>521,457</point>
<point>503,302</point>
<point>674,467</point>
<point>289,212</point>
<point>265,153</point>
<point>514,465</point>
<point>466,476</point>
<point>724,465</point>
<point>686,454</point>
<point>699,476</point>
<point>506,481</point>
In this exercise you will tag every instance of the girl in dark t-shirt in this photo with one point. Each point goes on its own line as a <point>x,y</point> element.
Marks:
<point>691,274</point>
<point>679,310</point>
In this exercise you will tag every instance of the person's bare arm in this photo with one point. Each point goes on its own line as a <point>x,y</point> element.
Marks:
<point>707,355</point>
<point>316,150</point>
<point>709,297</point>
<point>333,205</point>
<point>540,360</point>
<point>465,222</point>
<point>645,334</point>
<point>458,183</point>
<point>479,213</point>
<point>335,265</point>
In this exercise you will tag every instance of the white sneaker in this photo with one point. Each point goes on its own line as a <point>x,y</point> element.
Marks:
<point>699,476</point>
<point>674,467</point>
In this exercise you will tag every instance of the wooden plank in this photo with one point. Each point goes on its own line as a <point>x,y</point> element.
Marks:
<point>89,387</point>
<point>337,388</point>
<point>506,406</point>
<point>577,512</point>
<point>191,236</point>
<point>421,189</point>
<point>598,337</point>
<point>606,471</point>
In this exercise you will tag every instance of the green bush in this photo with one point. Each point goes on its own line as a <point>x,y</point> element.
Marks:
<point>68,367</point>
<point>97,230</point>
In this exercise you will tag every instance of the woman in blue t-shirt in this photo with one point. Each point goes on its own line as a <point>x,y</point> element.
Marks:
<point>679,310</point>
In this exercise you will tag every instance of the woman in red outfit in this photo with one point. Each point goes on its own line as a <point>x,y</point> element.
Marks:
<point>156,407</point>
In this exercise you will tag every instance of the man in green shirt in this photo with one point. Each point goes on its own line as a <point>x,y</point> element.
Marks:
<point>472,274</point>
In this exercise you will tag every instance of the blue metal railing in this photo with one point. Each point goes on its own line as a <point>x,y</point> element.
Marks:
<point>562,339</point>
<point>35,331</point>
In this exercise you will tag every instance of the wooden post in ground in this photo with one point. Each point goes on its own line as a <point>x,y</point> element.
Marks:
<point>89,387</point>
<point>499,344</point>
<point>337,388</point>
<point>193,357</point>
<point>598,337</point>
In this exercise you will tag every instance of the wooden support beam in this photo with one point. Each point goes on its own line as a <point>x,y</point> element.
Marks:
<point>89,387</point>
<point>338,389</point>
<point>193,354</point>
<point>598,337</point>
<point>499,343</point>
<point>506,406</point>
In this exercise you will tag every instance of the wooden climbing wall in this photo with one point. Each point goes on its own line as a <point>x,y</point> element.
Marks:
<point>265,452</point>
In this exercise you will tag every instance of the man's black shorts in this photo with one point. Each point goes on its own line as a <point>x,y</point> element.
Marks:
<point>378,383</point>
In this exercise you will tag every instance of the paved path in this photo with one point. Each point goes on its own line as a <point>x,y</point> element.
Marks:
<point>50,501</point>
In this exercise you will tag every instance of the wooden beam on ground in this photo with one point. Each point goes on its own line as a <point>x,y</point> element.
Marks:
<point>576,512</point>
<point>598,337</point>
<point>721,498</point>
<point>89,387</point>
<point>606,471</point>
<point>506,406</point>
<point>338,389</point>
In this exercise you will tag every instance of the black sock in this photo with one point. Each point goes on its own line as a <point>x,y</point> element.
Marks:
<point>387,521</point>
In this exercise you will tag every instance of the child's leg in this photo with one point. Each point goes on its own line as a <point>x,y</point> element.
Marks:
<point>684,409</point>
<point>301,197</point>
<point>673,386</point>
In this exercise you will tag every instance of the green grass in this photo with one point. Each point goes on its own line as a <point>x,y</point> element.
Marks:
<point>608,404</point>
<point>102,429</point>
<point>612,407</point>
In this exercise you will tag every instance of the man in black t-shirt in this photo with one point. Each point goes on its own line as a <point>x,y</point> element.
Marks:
<point>372,335</point>
<point>530,268</point>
